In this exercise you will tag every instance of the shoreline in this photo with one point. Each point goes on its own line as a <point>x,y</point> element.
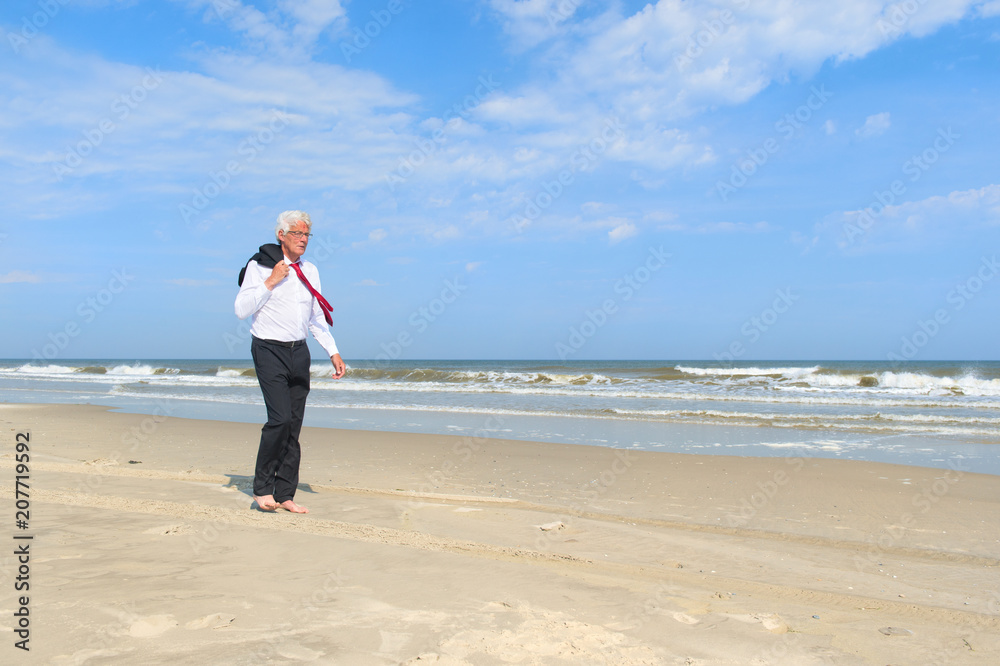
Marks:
<point>739,441</point>
<point>445,549</point>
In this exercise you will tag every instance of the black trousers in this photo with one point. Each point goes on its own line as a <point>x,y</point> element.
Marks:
<point>283,375</point>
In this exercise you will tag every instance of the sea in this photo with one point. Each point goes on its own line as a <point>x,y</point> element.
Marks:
<point>929,413</point>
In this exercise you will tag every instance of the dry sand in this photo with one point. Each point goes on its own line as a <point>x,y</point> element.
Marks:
<point>424,549</point>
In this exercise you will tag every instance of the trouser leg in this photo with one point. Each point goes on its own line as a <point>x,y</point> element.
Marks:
<point>272,364</point>
<point>286,478</point>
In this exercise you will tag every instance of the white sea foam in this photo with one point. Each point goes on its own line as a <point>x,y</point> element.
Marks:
<point>940,401</point>
<point>138,370</point>
<point>51,369</point>
<point>820,444</point>
<point>909,390</point>
<point>748,372</point>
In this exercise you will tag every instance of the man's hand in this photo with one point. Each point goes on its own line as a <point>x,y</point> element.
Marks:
<point>338,366</point>
<point>278,273</point>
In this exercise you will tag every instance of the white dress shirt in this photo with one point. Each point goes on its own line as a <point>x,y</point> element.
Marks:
<point>287,312</point>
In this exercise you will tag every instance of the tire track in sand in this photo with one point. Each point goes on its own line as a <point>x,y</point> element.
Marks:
<point>111,469</point>
<point>568,564</point>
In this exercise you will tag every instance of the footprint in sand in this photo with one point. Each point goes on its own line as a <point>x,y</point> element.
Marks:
<point>168,529</point>
<point>685,618</point>
<point>774,624</point>
<point>434,658</point>
<point>393,641</point>
<point>213,621</point>
<point>895,631</point>
<point>101,462</point>
<point>771,622</point>
<point>297,652</point>
<point>152,625</point>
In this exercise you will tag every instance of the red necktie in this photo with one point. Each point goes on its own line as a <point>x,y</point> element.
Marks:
<point>323,304</point>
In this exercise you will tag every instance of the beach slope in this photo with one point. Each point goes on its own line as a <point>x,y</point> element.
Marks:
<point>427,549</point>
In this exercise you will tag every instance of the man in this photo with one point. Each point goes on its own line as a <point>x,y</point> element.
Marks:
<point>285,302</point>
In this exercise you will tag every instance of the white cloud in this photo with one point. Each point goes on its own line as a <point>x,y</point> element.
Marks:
<point>19,276</point>
<point>914,223</point>
<point>74,116</point>
<point>374,236</point>
<point>829,127</point>
<point>525,108</point>
<point>312,17</point>
<point>672,59</point>
<point>719,227</point>
<point>875,125</point>
<point>472,265</point>
<point>289,31</point>
<point>622,232</point>
<point>596,208</point>
<point>353,128</point>
<point>530,22</point>
<point>449,232</point>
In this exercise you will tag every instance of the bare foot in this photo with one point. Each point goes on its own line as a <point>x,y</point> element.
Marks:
<point>289,505</point>
<point>265,502</point>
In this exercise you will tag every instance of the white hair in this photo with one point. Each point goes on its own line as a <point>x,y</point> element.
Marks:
<point>290,217</point>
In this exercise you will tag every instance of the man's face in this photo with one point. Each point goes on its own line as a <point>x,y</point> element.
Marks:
<point>293,244</point>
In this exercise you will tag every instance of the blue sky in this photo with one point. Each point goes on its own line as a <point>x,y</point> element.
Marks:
<point>504,178</point>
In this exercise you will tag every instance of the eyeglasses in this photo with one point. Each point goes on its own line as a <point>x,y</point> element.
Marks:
<point>298,234</point>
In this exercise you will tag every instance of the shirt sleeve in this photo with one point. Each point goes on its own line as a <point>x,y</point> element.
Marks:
<point>253,293</point>
<point>317,320</point>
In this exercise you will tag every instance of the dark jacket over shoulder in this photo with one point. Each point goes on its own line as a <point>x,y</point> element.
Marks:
<point>268,257</point>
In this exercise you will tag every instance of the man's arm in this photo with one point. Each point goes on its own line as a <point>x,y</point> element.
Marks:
<point>320,331</point>
<point>255,291</point>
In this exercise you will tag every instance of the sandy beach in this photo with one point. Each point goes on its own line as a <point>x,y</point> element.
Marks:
<point>432,549</point>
